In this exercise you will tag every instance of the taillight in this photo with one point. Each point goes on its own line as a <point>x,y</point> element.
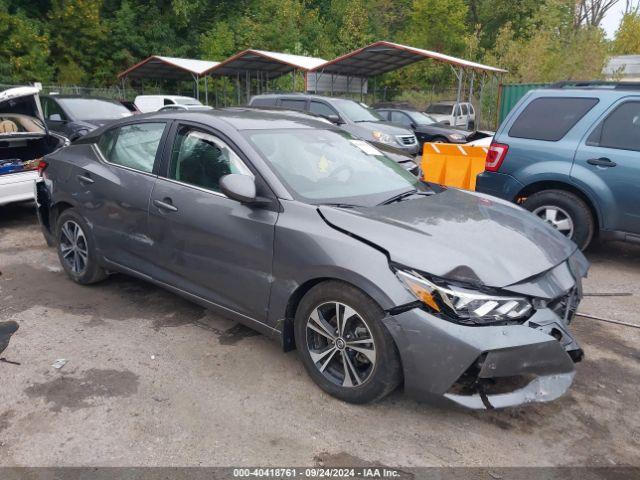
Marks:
<point>42,165</point>
<point>495,156</point>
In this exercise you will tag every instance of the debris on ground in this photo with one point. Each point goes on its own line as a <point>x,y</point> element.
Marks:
<point>59,363</point>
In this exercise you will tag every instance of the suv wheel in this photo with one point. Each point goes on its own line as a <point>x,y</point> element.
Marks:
<point>343,344</point>
<point>566,212</point>
<point>76,249</point>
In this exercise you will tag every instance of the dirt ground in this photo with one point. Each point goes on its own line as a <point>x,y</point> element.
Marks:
<point>154,380</point>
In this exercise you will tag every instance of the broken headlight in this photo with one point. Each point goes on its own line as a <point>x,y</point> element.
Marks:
<point>463,304</point>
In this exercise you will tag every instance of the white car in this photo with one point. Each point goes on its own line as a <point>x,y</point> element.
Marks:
<point>153,103</point>
<point>24,140</point>
<point>452,113</point>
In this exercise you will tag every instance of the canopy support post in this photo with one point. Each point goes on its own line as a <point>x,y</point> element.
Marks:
<point>473,77</point>
<point>206,90</point>
<point>361,82</point>
<point>332,78</point>
<point>460,76</point>
<point>238,88</point>
<point>247,81</point>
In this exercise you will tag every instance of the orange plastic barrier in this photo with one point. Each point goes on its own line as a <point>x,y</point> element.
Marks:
<point>452,165</point>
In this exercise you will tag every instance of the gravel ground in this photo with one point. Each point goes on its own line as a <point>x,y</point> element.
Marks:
<point>154,380</point>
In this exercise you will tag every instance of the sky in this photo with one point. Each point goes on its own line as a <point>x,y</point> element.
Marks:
<point>612,20</point>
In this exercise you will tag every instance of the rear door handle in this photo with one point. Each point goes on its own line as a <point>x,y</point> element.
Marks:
<point>86,180</point>
<point>601,162</point>
<point>165,205</point>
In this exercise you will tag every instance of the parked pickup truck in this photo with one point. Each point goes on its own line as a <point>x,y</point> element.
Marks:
<point>571,155</point>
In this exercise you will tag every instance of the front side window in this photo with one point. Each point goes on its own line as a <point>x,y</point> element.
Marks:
<point>201,159</point>
<point>50,107</point>
<point>551,118</point>
<point>133,146</point>
<point>327,166</point>
<point>320,108</point>
<point>620,130</point>
<point>400,118</point>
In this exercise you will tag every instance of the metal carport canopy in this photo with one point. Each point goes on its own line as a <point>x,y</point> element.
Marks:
<point>382,57</point>
<point>168,68</point>
<point>273,64</point>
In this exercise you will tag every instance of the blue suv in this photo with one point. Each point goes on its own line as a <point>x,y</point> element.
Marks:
<point>571,155</point>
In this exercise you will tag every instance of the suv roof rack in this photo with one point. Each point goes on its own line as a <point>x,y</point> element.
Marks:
<point>597,84</point>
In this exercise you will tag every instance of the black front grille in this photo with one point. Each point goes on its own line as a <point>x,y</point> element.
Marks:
<point>407,139</point>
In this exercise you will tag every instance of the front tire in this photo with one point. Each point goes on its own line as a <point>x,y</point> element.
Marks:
<point>76,249</point>
<point>566,212</point>
<point>343,344</point>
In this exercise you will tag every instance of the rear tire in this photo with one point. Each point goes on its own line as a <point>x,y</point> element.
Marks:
<point>76,249</point>
<point>360,363</point>
<point>566,212</point>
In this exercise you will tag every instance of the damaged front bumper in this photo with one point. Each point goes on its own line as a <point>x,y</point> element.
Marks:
<point>485,367</point>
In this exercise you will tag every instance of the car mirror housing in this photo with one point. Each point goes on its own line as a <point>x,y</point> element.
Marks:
<point>334,119</point>
<point>239,187</point>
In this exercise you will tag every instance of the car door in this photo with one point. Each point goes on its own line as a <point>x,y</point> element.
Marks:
<point>209,245</point>
<point>608,161</point>
<point>401,118</point>
<point>115,190</point>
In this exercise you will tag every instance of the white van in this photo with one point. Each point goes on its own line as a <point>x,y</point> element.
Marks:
<point>153,103</point>
<point>452,113</point>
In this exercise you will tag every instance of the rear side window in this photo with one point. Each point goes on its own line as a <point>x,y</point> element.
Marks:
<point>619,130</point>
<point>550,119</point>
<point>293,104</point>
<point>133,146</point>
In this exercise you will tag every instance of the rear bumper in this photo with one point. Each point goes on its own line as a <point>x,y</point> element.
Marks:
<point>17,187</point>
<point>484,367</point>
<point>499,185</point>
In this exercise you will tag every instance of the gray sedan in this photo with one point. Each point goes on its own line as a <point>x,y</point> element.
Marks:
<point>317,239</point>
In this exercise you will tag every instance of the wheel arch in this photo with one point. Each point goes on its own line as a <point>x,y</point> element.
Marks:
<point>288,337</point>
<point>543,185</point>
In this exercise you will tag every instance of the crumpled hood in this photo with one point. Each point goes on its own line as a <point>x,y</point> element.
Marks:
<point>458,235</point>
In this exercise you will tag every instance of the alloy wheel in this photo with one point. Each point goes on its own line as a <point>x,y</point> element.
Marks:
<point>73,247</point>
<point>340,344</point>
<point>557,217</point>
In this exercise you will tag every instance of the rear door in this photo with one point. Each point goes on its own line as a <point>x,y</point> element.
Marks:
<point>114,191</point>
<point>206,243</point>
<point>608,160</point>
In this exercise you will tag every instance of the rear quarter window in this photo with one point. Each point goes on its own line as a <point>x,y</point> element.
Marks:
<point>550,119</point>
<point>263,102</point>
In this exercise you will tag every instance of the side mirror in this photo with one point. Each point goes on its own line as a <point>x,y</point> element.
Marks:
<point>55,117</point>
<point>412,125</point>
<point>239,187</point>
<point>334,119</point>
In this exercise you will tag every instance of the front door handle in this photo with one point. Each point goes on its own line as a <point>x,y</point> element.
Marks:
<point>601,162</point>
<point>86,180</point>
<point>165,205</point>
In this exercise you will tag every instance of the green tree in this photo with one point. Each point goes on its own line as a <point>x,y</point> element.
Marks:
<point>76,35</point>
<point>627,39</point>
<point>24,49</point>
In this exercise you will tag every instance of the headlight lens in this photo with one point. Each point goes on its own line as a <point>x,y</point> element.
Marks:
<point>382,137</point>
<point>464,305</point>
<point>457,136</point>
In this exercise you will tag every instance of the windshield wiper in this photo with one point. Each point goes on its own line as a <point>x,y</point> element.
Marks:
<point>400,196</point>
<point>339,205</point>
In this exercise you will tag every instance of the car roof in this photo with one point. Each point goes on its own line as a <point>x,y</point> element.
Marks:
<point>583,92</point>
<point>88,97</point>
<point>301,96</point>
<point>244,118</point>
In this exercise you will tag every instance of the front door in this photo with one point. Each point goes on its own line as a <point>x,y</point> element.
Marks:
<point>209,245</point>
<point>610,164</point>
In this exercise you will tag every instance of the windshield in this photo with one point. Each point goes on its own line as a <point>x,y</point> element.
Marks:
<point>420,118</point>
<point>94,108</point>
<point>440,109</point>
<point>356,112</point>
<point>326,166</point>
